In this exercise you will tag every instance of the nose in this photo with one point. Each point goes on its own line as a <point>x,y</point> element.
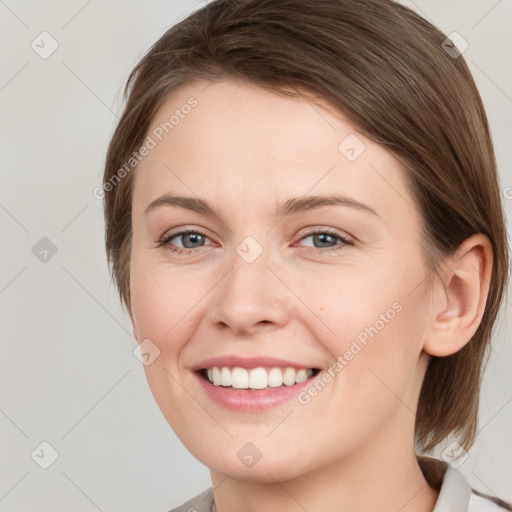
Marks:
<point>251,297</point>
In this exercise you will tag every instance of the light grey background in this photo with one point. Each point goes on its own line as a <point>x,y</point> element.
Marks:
<point>68,375</point>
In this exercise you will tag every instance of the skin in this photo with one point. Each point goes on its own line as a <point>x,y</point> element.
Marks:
<point>245,149</point>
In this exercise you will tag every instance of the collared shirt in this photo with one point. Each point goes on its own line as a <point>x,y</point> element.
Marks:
<point>455,493</point>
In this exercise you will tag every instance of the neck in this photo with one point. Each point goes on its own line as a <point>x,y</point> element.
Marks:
<point>386,479</point>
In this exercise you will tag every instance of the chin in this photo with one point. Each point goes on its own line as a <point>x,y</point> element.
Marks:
<point>266,469</point>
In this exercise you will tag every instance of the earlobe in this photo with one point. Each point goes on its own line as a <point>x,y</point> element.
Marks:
<point>460,305</point>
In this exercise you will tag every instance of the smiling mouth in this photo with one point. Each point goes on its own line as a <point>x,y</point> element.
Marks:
<point>256,378</point>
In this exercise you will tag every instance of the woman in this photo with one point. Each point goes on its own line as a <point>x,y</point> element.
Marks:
<point>303,220</point>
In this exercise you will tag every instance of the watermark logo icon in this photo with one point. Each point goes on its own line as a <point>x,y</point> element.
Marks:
<point>44,455</point>
<point>249,455</point>
<point>249,249</point>
<point>146,352</point>
<point>454,454</point>
<point>351,147</point>
<point>44,250</point>
<point>44,45</point>
<point>455,45</point>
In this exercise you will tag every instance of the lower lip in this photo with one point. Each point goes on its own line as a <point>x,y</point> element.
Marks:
<point>251,400</point>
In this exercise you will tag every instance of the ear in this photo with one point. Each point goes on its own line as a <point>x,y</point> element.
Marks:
<point>460,301</point>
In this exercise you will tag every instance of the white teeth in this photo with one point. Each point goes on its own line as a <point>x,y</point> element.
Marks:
<point>226,377</point>
<point>217,378</point>
<point>257,378</point>
<point>289,376</point>
<point>239,378</point>
<point>302,376</point>
<point>275,378</point>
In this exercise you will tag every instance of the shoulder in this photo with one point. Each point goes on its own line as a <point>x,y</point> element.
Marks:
<point>480,502</point>
<point>455,493</point>
<point>201,503</point>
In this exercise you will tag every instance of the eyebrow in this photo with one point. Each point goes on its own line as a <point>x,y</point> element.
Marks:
<point>289,207</point>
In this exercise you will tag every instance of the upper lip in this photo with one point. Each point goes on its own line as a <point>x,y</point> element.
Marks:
<point>232,361</point>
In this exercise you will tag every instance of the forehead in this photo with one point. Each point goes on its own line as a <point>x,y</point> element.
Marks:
<point>239,144</point>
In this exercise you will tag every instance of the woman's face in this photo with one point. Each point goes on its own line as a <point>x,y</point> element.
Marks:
<point>275,270</point>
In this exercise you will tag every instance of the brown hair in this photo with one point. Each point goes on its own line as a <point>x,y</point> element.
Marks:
<point>387,70</point>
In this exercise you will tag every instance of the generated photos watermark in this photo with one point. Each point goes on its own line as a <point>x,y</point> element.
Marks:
<point>356,346</point>
<point>150,143</point>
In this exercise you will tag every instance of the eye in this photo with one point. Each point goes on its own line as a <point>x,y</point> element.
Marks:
<point>191,240</point>
<point>325,239</point>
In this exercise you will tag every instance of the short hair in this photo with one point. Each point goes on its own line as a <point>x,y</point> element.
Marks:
<point>401,83</point>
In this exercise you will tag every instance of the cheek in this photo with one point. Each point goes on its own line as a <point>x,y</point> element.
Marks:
<point>372,325</point>
<point>164,302</point>
<point>164,309</point>
<point>350,303</point>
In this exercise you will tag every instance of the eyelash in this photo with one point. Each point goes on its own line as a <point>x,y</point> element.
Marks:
<point>165,242</point>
